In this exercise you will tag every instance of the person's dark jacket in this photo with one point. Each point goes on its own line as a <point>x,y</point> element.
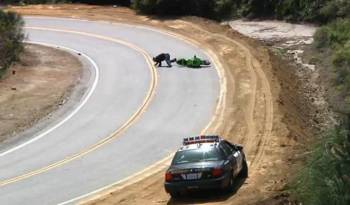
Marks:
<point>160,57</point>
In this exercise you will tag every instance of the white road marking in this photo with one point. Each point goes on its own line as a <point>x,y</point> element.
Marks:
<point>150,170</point>
<point>155,166</point>
<point>221,99</point>
<point>96,68</point>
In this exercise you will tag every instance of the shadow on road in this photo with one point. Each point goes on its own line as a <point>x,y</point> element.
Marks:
<point>205,196</point>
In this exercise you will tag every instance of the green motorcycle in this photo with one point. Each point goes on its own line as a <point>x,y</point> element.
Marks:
<point>194,62</point>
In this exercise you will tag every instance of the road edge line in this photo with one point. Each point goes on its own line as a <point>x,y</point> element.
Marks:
<point>156,166</point>
<point>70,115</point>
<point>149,96</point>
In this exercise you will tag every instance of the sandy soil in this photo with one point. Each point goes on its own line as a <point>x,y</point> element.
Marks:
<point>255,111</point>
<point>26,91</point>
<point>291,39</point>
<point>273,30</point>
<point>293,43</point>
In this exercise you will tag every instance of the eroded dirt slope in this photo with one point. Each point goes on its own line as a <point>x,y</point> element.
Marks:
<point>36,86</point>
<point>251,113</point>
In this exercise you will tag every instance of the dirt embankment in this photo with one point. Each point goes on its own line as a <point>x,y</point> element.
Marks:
<point>36,86</point>
<point>260,108</point>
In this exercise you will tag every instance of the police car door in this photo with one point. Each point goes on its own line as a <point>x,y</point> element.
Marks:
<point>231,161</point>
<point>237,155</point>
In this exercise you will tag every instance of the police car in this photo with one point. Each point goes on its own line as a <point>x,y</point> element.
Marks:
<point>205,162</point>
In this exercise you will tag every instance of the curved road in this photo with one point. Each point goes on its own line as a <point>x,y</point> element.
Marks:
<point>131,116</point>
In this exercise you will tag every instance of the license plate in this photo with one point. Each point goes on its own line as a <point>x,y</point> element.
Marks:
<point>193,176</point>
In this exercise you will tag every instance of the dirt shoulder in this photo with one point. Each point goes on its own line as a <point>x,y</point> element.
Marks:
<point>35,87</point>
<point>254,111</point>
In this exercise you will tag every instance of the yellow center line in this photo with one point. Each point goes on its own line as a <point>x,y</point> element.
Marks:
<point>115,134</point>
<point>164,163</point>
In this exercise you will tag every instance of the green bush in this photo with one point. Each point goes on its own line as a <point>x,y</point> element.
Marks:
<point>226,8</point>
<point>11,36</point>
<point>342,56</point>
<point>336,37</point>
<point>326,177</point>
<point>339,32</point>
<point>294,10</point>
<point>176,7</point>
<point>321,37</point>
<point>335,9</point>
<point>145,6</point>
<point>333,34</point>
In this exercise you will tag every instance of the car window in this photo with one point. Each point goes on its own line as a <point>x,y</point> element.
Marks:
<point>226,148</point>
<point>198,155</point>
<point>232,147</point>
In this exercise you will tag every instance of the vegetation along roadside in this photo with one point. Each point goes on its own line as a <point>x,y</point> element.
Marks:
<point>11,36</point>
<point>325,177</point>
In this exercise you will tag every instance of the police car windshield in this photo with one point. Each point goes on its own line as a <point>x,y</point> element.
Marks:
<point>196,155</point>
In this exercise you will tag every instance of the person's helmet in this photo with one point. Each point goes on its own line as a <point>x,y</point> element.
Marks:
<point>206,62</point>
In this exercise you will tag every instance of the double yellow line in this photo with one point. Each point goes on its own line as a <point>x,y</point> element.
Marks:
<point>115,134</point>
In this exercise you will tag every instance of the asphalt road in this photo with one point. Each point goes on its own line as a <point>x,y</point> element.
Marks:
<point>50,169</point>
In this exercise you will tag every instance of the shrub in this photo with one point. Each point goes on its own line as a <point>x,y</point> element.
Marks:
<point>145,6</point>
<point>329,11</point>
<point>335,9</point>
<point>336,36</point>
<point>225,8</point>
<point>321,11</point>
<point>307,10</point>
<point>293,10</point>
<point>342,56</point>
<point>321,37</point>
<point>325,179</point>
<point>176,7</point>
<point>11,36</point>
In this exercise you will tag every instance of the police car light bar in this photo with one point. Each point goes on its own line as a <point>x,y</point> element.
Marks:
<point>200,139</point>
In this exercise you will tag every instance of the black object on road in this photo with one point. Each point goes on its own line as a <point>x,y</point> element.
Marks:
<point>163,57</point>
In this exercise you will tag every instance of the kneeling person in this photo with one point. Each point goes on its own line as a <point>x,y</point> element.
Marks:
<point>163,57</point>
